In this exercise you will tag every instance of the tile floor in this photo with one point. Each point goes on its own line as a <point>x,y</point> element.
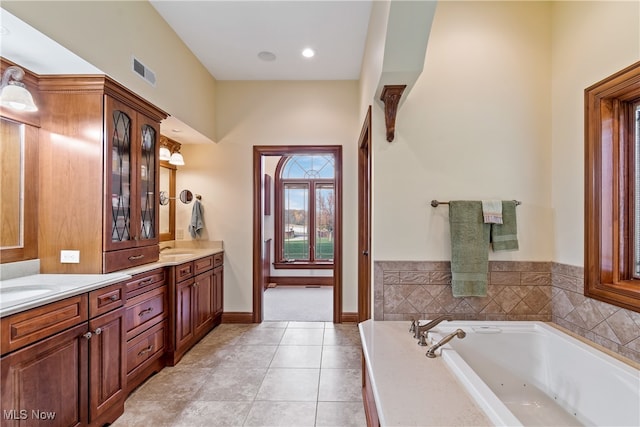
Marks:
<point>270,374</point>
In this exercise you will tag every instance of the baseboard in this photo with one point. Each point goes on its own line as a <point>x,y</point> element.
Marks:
<point>301,280</point>
<point>237,317</point>
<point>350,317</point>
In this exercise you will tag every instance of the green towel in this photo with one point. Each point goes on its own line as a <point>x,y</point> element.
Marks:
<point>504,237</point>
<point>469,249</point>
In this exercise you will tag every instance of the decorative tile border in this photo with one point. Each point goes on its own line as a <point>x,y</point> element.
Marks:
<point>517,290</point>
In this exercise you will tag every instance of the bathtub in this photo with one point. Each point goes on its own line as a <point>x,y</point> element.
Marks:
<point>532,374</point>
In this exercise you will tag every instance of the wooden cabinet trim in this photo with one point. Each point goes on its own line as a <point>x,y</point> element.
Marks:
<point>29,326</point>
<point>106,299</point>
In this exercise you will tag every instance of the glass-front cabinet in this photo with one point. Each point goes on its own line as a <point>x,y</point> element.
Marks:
<point>131,214</point>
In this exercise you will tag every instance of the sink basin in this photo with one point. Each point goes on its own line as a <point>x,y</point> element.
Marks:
<point>8,295</point>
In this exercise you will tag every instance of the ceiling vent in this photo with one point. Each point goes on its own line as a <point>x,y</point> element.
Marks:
<point>143,71</point>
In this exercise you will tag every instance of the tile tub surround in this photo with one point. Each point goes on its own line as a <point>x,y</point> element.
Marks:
<point>616,329</point>
<point>274,373</point>
<point>422,289</point>
<point>517,290</point>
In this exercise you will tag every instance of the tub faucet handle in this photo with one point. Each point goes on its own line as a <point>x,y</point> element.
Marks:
<point>412,327</point>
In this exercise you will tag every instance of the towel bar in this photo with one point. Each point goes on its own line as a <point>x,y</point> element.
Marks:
<point>435,203</point>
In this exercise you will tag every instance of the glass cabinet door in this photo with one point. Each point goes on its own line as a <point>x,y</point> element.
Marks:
<point>121,164</point>
<point>148,202</point>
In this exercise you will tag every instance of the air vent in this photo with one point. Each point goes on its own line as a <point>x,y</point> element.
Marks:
<point>143,71</point>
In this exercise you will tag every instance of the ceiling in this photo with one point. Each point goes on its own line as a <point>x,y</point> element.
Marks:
<point>226,36</point>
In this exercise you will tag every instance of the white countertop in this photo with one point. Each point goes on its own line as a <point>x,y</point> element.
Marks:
<point>409,388</point>
<point>27,292</point>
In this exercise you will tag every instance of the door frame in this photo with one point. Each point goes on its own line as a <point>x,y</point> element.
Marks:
<point>259,151</point>
<point>364,220</point>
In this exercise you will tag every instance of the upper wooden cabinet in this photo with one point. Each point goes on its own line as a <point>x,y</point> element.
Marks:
<point>98,175</point>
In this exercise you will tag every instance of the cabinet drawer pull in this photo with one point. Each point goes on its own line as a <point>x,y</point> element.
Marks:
<point>88,335</point>
<point>135,257</point>
<point>98,331</point>
<point>143,312</point>
<point>146,350</point>
<point>145,282</point>
<point>113,297</point>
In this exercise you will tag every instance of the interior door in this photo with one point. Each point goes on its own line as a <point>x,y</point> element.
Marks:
<point>364,220</point>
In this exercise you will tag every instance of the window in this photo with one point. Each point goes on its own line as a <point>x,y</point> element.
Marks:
<point>612,189</point>
<point>305,211</point>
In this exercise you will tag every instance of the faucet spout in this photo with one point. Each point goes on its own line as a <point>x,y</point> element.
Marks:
<point>431,353</point>
<point>420,331</point>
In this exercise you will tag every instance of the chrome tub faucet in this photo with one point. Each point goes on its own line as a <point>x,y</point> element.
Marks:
<point>431,353</point>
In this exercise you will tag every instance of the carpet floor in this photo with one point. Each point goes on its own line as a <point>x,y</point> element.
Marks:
<point>298,303</point>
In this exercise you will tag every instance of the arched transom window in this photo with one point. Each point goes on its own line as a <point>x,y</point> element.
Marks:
<point>305,209</point>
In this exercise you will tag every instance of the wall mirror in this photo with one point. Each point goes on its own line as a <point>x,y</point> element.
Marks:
<point>18,198</point>
<point>167,209</point>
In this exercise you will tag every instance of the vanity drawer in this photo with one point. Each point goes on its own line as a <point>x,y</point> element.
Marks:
<point>184,271</point>
<point>145,310</point>
<point>149,345</point>
<point>218,259</point>
<point>105,299</point>
<point>127,258</point>
<point>203,264</point>
<point>145,282</point>
<point>32,325</point>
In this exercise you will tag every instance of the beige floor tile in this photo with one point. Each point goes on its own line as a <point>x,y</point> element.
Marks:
<point>341,335</point>
<point>285,384</point>
<point>245,356</point>
<point>150,413</point>
<point>213,414</point>
<point>343,414</point>
<point>229,383</point>
<point>225,334</point>
<point>306,325</point>
<point>302,337</point>
<point>176,383</point>
<point>272,324</point>
<point>262,336</point>
<point>282,414</point>
<point>341,357</point>
<point>297,356</point>
<point>340,385</point>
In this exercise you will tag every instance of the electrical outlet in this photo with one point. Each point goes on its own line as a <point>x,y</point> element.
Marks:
<point>69,257</point>
<point>180,233</point>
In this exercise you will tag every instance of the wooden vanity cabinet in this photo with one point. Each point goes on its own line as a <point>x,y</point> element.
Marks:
<point>105,201</point>
<point>146,325</point>
<point>65,358</point>
<point>197,300</point>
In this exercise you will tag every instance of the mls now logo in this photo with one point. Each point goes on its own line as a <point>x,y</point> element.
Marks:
<point>23,414</point>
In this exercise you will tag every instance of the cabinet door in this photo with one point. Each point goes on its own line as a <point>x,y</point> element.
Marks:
<point>218,291</point>
<point>148,180</point>
<point>46,383</point>
<point>120,229</point>
<point>107,364</point>
<point>203,316</point>
<point>185,300</point>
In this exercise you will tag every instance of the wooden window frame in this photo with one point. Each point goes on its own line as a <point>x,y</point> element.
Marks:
<point>609,189</point>
<point>278,223</point>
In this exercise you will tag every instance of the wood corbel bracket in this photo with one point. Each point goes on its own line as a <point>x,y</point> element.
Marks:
<point>390,96</point>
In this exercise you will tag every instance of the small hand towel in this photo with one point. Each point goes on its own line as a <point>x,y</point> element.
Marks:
<point>492,211</point>
<point>504,237</point>
<point>196,224</point>
<point>469,249</point>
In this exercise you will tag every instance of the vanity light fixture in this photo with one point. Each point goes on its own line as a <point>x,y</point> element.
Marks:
<point>165,154</point>
<point>14,94</point>
<point>177,159</point>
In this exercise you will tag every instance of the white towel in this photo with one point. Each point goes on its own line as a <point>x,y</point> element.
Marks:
<point>196,224</point>
<point>492,211</point>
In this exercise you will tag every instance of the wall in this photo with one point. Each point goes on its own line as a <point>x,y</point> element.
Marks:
<point>582,55</point>
<point>476,125</point>
<point>269,113</point>
<point>108,33</point>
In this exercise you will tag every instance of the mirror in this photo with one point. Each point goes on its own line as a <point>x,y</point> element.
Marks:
<point>186,196</point>
<point>18,197</point>
<point>167,210</point>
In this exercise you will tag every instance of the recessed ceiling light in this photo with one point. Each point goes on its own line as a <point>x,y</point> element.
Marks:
<point>308,53</point>
<point>267,56</point>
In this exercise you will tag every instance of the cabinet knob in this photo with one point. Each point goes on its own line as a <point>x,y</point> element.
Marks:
<point>113,297</point>
<point>88,335</point>
<point>98,331</point>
